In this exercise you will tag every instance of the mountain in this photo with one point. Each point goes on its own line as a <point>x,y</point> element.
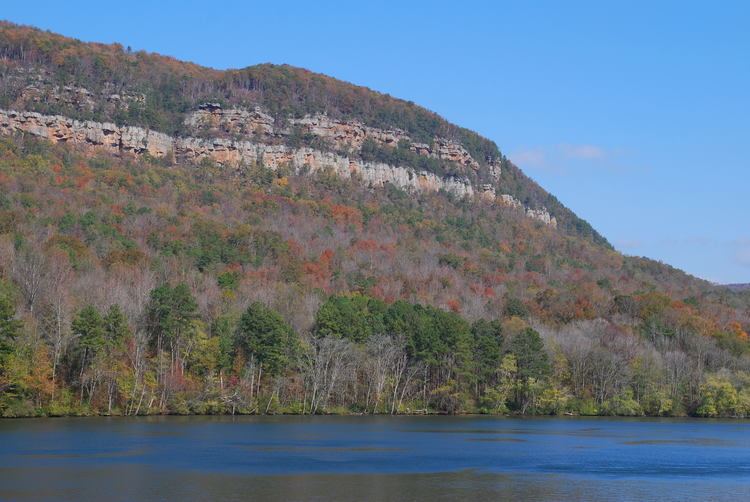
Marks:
<point>180,239</point>
<point>265,104</point>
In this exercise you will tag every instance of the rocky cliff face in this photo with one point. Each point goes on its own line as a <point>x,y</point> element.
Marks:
<point>213,121</point>
<point>342,135</point>
<point>119,140</point>
<point>211,118</point>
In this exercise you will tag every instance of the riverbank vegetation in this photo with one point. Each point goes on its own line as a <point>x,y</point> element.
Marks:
<point>131,288</point>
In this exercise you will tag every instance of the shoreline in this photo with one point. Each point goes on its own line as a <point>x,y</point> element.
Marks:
<point>380,415</point>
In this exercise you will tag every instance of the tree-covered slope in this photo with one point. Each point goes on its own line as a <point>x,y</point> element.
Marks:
<point>129,287</point>
<point>134,284</point>
<point>163,90</point>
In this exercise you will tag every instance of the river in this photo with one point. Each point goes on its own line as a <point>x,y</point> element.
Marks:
<point>373,458</point>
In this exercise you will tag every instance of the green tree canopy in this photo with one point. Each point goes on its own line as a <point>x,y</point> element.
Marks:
<point>170,313</point>
<point>221,328</point>
<point>264,334</point>
<point>488,348</point>
<point>354,317</point>
<point>116,329</point>
<point>528,349</point>
<point>88,326</point>
<point>9,327</point>
<point>432,335</point>
<point>515,307</point>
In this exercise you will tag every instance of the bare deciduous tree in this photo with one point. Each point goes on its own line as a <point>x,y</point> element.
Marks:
<point>30,273</point>
<point>327,365</point>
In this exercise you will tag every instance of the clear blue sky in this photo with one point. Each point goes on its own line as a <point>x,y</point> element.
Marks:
<point>637,117</point>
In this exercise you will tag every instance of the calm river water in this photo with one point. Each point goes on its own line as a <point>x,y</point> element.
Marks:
<point>378,458</point>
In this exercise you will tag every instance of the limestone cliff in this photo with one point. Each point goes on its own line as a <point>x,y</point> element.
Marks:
<point>119,140</point>
<point>341,134</point>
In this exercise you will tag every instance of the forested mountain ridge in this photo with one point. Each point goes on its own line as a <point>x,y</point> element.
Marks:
<point>268,104</point>
<point>175,239</point>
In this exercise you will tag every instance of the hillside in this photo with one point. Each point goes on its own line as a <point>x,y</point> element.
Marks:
<point>176,239</point>
<point>54,75</point>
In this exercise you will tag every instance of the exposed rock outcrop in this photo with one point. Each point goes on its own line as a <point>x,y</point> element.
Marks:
<point>541,215</point>
<point>344,135</point>
<point>537,214</point>
<point>212,120</point>
<point>118,140</point>
<point>510,201</point>
<point>234,121</point>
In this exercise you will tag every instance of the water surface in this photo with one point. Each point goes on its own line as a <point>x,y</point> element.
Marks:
<point>373,458</point>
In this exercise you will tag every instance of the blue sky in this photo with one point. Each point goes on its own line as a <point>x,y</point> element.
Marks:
<point>637,116</point>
